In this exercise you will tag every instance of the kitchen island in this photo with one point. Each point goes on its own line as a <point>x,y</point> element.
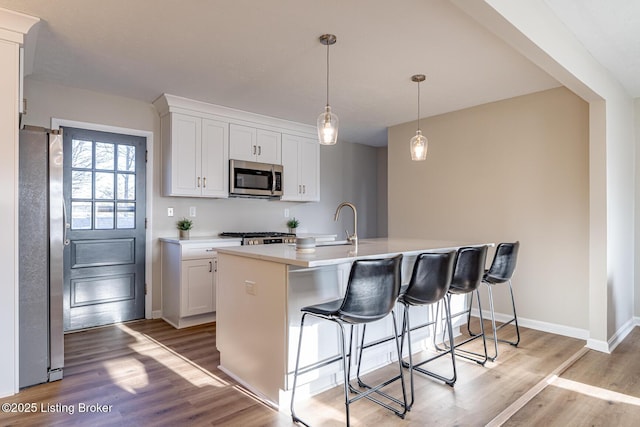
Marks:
<point>260,292</point>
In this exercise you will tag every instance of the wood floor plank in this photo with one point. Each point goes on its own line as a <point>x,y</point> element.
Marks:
<point>149,373</point>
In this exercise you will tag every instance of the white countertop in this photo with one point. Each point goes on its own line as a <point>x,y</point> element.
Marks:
<point>328,255</point>
<point>204,240</point>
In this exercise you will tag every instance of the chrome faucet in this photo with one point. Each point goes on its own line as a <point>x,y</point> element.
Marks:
<point>353,239</point>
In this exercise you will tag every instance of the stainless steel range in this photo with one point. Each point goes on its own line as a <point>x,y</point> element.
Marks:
<point>262,237</point>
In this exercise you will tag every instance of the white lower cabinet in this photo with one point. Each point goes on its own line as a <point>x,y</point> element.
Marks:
<point>189,274</point>
<point>198,294</point>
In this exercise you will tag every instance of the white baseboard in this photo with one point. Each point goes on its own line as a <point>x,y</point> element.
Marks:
<point>598,345</point>
<point>568,331</point>
<point>156,314</point>
<point>620,334</point>
<point>553,328</point>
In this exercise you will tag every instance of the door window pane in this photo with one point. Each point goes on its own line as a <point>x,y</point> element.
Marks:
<point>105,156</point>
<point>126,186</point>
<point>81,154</point>
<point>126,158</point>
<point>81,185</point>
<point>81,215</point>
<point>104,215</point>
<point>104,186</point>
<point>126,215</point>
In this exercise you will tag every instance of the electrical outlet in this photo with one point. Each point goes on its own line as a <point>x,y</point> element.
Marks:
<point>169,211</point>
<point>192,211</point>
<point>250,287</point>
<point>286,213</point>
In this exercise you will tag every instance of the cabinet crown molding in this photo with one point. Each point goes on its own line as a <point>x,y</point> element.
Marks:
<point>167,103</point>
<point>16,22</point>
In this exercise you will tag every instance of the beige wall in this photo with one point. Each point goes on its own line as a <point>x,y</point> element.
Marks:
<point>510,170</point>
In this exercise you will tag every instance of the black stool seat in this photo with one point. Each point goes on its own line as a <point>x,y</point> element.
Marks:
<point>332,310</point>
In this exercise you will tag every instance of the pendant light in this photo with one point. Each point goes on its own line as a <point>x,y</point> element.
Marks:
<point>418,143</point>
<point>327,121</point>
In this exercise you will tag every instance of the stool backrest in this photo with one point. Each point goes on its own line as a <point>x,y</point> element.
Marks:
<point>372,290</point>
<point>469,268</point>
<point>504,263</point>
<point>430,278</point>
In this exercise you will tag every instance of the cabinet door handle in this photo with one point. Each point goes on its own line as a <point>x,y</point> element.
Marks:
<point>304,189</point>
<point>198,182</point>
<point>204,182</point>
<point>299,189</point>
<point>254,150</point>
<point>210,267</point>
<point>216,266</point>
<point>259,150</point>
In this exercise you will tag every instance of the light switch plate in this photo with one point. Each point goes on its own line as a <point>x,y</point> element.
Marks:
<point>192,211</point>
<point>169,211</point>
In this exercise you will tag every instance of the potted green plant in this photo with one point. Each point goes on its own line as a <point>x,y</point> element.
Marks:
<point>293,224</point>
<point>184,225</point>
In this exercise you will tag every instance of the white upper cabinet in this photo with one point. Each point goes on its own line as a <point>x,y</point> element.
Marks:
<point>254,145</point>
<point>215,158</point>
<point>198,139</point>
<point>301,163</point>
<point>195,156</point>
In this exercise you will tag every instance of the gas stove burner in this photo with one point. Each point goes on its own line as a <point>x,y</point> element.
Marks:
<point>261,237</point>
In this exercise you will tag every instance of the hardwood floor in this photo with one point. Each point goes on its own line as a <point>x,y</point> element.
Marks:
<point>148,373</point>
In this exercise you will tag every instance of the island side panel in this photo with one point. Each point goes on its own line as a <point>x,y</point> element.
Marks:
<point>251,322</point>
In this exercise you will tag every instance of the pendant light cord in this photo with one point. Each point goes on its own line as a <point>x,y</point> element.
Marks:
<point>418,105</point>
<point>327,75</point>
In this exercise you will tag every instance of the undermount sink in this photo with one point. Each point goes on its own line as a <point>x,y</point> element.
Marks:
<point>333,243</point>
<point>338,243</point>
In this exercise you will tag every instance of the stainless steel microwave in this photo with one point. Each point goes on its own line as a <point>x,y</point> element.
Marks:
<point>252,179</point>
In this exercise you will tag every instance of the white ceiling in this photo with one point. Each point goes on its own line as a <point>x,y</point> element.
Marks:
<point>265,57</point>
<point>610,31</point>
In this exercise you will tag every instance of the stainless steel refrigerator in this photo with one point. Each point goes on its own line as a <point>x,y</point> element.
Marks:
<point>41,241</point>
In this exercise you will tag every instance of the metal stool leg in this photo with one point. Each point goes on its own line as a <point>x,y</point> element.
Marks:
<point>495,328</point>
<point>466,353</point>
<point>377,389</point>
<point>449,349</point>
<point>515,318</point>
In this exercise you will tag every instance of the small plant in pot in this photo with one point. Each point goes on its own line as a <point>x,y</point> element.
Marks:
<point>293,224</point>
<point>184,225</point>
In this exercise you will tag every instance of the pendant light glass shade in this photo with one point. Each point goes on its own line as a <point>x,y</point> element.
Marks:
<point>327,127</point>
<point>327,121</point>
<point>418,145</point>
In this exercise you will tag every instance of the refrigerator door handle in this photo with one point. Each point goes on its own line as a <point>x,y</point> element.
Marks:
<point>66,225</point>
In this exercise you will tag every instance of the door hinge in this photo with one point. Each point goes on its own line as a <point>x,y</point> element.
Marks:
<point>145,223</point>
<point>145,288</point>
<point>146,156</point>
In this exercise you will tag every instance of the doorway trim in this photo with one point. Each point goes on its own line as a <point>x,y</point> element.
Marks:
<point>148,265</point>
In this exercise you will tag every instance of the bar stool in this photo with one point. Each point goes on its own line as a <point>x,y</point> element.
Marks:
<point>429,284</point>
<point>501,271</point>
<point>467,276</point>
<point>371,293</point>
